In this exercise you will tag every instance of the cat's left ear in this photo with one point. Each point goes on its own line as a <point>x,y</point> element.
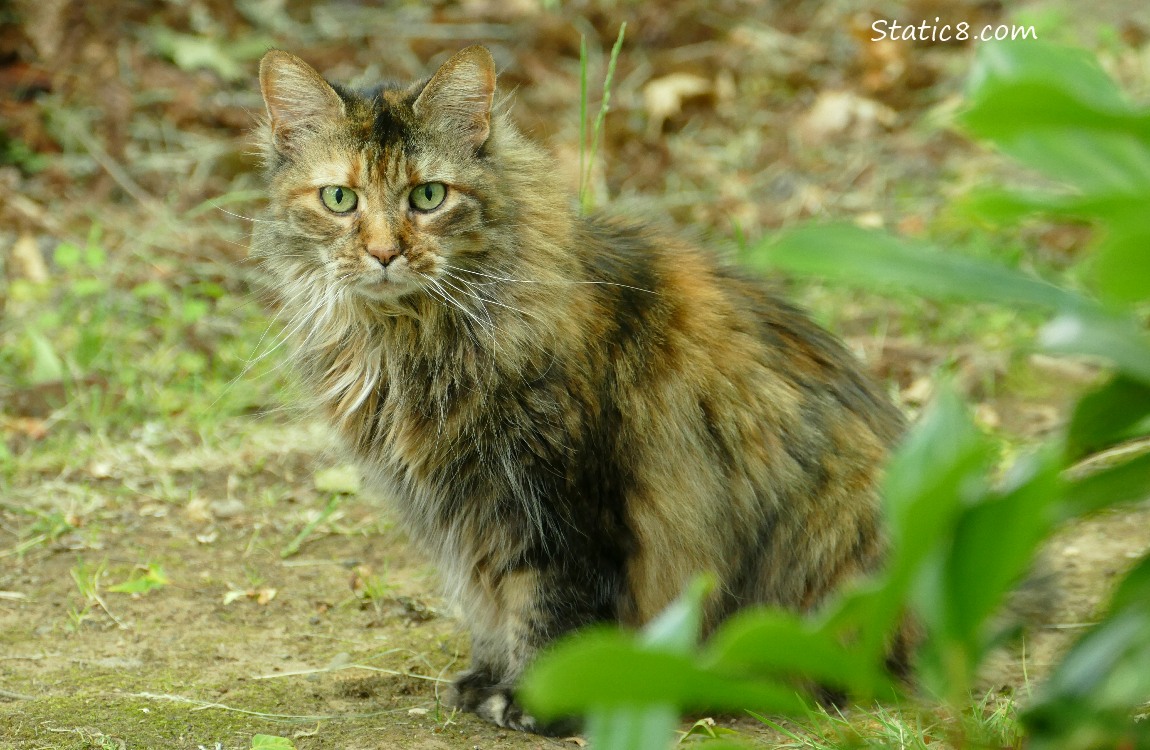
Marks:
<point>458,97</point>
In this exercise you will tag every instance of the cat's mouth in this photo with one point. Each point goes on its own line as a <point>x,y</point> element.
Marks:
<point>386,283</point>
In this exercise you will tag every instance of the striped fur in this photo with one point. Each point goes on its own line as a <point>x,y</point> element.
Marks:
<point>574,415</point>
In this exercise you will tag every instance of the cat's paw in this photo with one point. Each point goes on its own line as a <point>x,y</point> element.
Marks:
<point>475,691</point>
<point>500,707</point>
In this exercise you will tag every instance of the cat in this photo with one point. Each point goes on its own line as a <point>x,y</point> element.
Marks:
<point>574,415</point>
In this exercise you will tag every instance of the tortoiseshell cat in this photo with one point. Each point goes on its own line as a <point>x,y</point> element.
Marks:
<point>574,415</point>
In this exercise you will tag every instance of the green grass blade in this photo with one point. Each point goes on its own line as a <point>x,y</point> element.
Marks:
<point>582,120</point>
<point>604,105</point>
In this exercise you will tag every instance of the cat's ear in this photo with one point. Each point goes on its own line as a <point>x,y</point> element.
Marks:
<point>458,97</point>
<point>298,99</point>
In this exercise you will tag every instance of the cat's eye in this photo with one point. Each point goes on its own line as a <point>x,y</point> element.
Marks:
<point>338,198</point>
<point>428,196</point>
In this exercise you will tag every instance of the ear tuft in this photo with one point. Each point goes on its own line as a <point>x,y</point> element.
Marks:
<point>458,97</point>
<point>298,99</point>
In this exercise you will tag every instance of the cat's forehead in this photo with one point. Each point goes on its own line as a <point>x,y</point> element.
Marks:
<point>382,116</point>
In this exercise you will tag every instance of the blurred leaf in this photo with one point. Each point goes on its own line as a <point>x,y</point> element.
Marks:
<point>1129,482</point>
<point>67,255</point>
<point>1106,416</point>
<point>610,668</point>
<point>1084,87</point>
<point>224,57</point>
<point>1090,699</point>
<point>994,541</point>
<point>1119,340</point>
<point>677,627</point>
<point>46,364</point>
<point>1122,264</point>
<point>141,582</point>
<point>861,257</point>
<point>88,287</point>
<point>632,728</point>
<point>149,289</point>
<point>270,742</point>
<point>783,644</point>
<point>1011,206</point>
<point>940,467</point>
<point>1056,110</point>
<point>95,256</point>
<point>194,310</point>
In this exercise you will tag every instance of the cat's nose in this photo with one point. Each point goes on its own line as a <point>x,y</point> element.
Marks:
<point>383,254</point>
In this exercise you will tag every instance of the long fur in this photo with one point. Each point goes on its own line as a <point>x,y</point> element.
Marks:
<point>573,415</point>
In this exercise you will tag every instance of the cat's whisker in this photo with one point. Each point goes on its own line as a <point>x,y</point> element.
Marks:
<point>554,283</point>
<point>249,218</point>
<point>474,294</point>
<point>277,342</point>
<point>459,306</point>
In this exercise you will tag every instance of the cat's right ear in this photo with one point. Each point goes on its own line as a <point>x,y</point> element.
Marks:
<point>298,99</point>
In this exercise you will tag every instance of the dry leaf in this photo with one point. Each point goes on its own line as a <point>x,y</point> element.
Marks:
<point>663,97</point>
<point>27,261</point>
<point>842,112</point>
<point>261,596</point>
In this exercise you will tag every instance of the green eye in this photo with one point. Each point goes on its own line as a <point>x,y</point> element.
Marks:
<point>338,199</point>
<point>428,196</point>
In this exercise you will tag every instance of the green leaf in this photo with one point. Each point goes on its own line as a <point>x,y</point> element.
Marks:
<point>1129,482</point>
<point>67,255</point>
<point>610,668</point>
<point>270,742</point>
<point>677,627</point>
<point>1121,266</point>
<point>1084,88</point>
<point>940,468</point>
<point>1119,340</point>
<point>47,367</point>
<point>784,645</point>
<point>632,728</point>
<point>1055,110</point>
<point>1104,679</point>
<point>1012,206</point>
<point>861,257</point>
<point>153,577</point>
<point>994,544</point>
<point>224,57</point>
<point>1107,416</point>
<point>874,259</point>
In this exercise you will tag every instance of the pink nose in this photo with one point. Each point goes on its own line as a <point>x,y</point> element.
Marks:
<point>383,254</point>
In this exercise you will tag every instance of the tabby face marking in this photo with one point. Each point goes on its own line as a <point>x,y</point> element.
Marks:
<point>385,215</point>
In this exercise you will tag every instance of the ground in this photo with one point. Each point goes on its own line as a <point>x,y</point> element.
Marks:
<point>185,561</point>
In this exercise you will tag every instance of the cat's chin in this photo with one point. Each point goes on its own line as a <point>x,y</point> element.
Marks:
<point>385,291</point>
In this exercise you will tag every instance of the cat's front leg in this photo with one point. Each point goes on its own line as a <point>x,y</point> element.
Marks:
<point>534,608</point>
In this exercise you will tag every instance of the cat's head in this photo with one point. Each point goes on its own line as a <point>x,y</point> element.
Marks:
<point>383,194</point>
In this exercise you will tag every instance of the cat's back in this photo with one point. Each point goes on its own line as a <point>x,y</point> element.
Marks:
<point>755,435</point>
<point>673,301</point>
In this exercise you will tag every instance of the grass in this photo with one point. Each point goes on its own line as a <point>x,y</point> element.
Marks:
<point>990,723</point>
<point>588,149</point>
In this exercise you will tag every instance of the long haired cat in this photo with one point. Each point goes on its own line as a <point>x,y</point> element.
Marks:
<point>574,415</point>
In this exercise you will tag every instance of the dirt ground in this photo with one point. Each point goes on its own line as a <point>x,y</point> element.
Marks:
<point>282,599</point>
